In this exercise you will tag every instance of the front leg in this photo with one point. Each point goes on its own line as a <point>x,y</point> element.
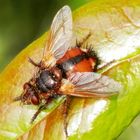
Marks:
<point>34,63</point>
<point>42,107</point>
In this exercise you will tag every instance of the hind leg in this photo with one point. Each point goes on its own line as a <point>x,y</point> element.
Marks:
<point>65,113</point>
<point>108,64</point>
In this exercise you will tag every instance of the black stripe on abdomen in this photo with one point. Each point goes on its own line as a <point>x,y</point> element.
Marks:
<point>69,64</point>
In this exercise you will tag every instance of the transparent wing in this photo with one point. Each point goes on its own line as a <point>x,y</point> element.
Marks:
<point>89,84</point>
<point>60,35</point>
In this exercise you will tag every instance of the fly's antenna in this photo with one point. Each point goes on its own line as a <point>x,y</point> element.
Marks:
<point>18,98</point>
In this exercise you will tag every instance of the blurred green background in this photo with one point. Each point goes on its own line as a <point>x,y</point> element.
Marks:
<point>21,22</point>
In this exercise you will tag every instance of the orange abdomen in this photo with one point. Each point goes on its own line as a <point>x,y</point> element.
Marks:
<point>76,60</point>
<point>69,54</point>
<point>83,66</point>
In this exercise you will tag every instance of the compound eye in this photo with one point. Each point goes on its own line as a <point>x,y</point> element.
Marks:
<point>34,100</point>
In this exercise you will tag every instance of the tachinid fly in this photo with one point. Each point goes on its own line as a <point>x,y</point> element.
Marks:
<point>65,70</point>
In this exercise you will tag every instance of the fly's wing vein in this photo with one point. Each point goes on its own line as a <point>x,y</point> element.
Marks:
<point>59,37</point>
<point>90,84</point>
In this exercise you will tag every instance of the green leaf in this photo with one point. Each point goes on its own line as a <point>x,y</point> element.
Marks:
<point>115,37</point>
<point>132,132</point>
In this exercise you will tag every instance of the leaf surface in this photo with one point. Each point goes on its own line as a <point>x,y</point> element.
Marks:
<point>115,29</point>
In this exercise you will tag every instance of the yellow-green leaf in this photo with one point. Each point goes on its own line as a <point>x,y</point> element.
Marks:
<point>115,28</point>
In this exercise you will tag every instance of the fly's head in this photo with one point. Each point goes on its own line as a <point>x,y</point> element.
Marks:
<point>29,95</point>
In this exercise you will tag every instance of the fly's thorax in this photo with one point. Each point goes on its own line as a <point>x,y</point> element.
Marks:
<point>49,80</point>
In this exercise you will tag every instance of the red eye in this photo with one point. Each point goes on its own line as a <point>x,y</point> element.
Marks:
<point>34,100</point>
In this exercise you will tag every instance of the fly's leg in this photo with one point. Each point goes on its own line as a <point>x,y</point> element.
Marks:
<point>34,63</point>
<point>65,113</point>
<point>80,43</point>
<point>106,65</point>
<point>38,112</point>
<point>41,108</point>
